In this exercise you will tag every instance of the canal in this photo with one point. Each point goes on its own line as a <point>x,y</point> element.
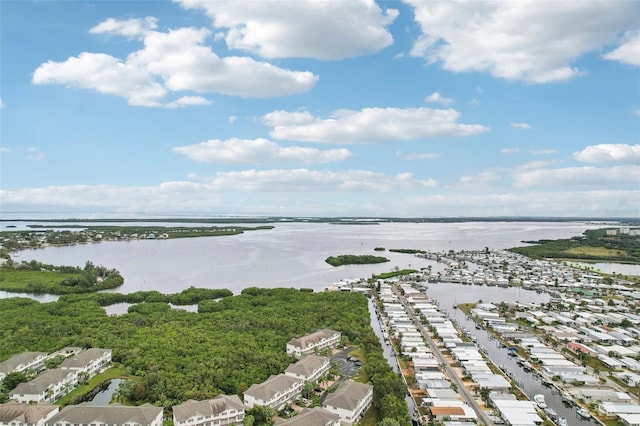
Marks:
<point>449,294</point>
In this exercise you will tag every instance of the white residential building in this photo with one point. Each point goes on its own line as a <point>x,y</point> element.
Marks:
<point>22,362</point>
<point>221,410</point>
<point>91,361</point>
<point>275,392</point>
<point>309,368</point>
<point>350,401</point>
<point>112,415</point>
<point>307,345</point>
<point>47,387</point>
<point>15,414</point>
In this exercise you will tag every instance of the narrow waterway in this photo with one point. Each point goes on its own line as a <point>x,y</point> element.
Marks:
<point>389,353</point>
<point>449,294</point>
<point>105,396</point>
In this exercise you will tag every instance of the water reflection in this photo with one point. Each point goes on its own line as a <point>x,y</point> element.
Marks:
<point>105,396</point>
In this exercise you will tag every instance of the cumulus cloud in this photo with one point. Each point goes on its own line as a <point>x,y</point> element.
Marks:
<point>524,126</point>
<point>584,177</point>
<point>2,104</point>
<point>524,40</point>
<point>437,98</point>
<point>302,28</point>
<point>132,28</point>
<point>609,153</point>
<point>257,151</point>
<point>173,61</point>
<point>629,51</point>
<point>482,178</point>
<point>369,125</point>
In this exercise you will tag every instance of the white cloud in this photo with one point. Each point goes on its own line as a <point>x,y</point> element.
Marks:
<point>542,151</point>
<point>307,29</point>
<point>188,101</point>
<point>525,40</point>
<point>174,61</point>
<point>4,150</point>
<point>258,151</point>
<point>585,177</point>
<point>369,125</point>
<point>609,153</point>
<point>480,179</point>
<point>524,126</point>
<point>2,104</point>
<point>132,28</point>
<point>417,155</point>
<point>232,119</point>
<point>437,98</point>
<point>635,111</point>
<point>629,51</point>
<point>509,151</point>
<point>34,154</point>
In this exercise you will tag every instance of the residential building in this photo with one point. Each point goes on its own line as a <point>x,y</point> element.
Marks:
<point>221,410</point>
<point>316,416</point>
<point>22,362</point>
<point>309,368</point>
<point>275,392</point>
<point>15,414</point>
<point>307,345</point>
<point>47,387</point>
<point>350,401</point>
<point>112,415</point>
<point>90,362</point>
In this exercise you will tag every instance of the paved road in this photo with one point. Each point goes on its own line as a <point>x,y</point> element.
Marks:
<point>483,417</point>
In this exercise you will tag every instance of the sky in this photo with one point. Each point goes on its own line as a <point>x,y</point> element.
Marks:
<point>409,108</point>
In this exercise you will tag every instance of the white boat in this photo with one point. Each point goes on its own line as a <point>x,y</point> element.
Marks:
<point>539,399</point>
<point>584,413</point>
<point>566,398</point>
<point>562,422</point>
<point>551,413</point>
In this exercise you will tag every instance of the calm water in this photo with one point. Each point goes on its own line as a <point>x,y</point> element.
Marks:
<point>291,254</point>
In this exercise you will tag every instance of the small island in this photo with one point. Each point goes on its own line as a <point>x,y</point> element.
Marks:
<point>351,259</point>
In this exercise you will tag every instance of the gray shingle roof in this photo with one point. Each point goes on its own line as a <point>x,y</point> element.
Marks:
<point>24,358</point>
<point>114,414</point>
<point>25,413</point>
<point>208,407</point>
<point>312,338</point>
<point>348,395</point>
<point>274,384</point>
<point>310,417</point>
<point>83,359</point>
<point>307,365</point>
<point>42,382</point>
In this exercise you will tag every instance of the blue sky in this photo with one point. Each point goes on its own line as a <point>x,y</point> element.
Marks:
<point>320,108</point>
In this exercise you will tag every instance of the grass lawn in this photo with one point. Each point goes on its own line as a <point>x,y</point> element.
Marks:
<point>371,417</point>
<point>596,251</point>
<point>115,372</point>
<point>19,280</point>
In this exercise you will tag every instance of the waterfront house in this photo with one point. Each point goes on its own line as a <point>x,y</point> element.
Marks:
<point>275,392</point>
<point>309,368</point>
<point>112,415</point>
<point>47,387</point>
<point>221,410</point>
<point>350,401</point>
<point>15,414</point>
<point>307,345</point>
<point>22,362</point>
<point>90,362</point>
<point>316,416</point>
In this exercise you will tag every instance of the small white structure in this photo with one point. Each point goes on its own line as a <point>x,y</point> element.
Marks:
<point>91,361</point>
<point>221,410</point>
